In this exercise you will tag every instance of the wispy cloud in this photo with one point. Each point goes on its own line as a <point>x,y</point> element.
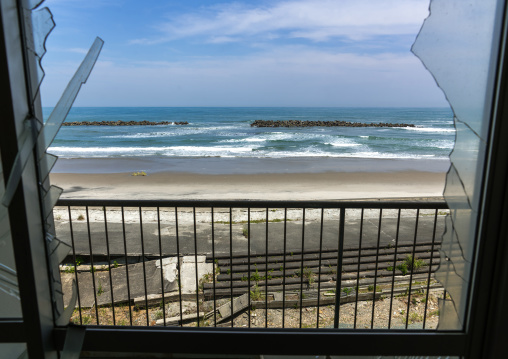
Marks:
<point>311,20</point>
<point>289,76</point>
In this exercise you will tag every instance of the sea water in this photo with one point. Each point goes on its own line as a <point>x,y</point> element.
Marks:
<point>225,132</point>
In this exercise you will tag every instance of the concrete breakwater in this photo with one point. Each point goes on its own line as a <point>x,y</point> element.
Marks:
<point>122,123</point>
<point>296,123</point>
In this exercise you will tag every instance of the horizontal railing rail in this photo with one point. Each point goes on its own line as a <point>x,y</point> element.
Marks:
<point>377,204</point>
<point>253,264</point>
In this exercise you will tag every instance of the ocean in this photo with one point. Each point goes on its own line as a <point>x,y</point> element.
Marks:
<point>225,133</point>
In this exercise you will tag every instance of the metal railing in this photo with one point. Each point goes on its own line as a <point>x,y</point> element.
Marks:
<point>253,264</point>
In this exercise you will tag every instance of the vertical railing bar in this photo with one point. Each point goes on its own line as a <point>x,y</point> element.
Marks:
<point>338,286</point>
<point>162,266</point>
<point>393,269</point>
<point>266,270</point>
<point>412,267</point>
<point>248,265</point>
<point>284,270</point>
<point>144,265</point>
<point>430,268</point>
<point>301,266</point>
<point>126,266</point>
<point>75,265</point>
<point>358,274</point>
<point>179,269</point>
<point>214,271</point>
<point>91,264</point>
<point>376,265</point>
<point>109,265</point>
<point>231,262</point>
<point>196,265</point>
<point>319,266</point>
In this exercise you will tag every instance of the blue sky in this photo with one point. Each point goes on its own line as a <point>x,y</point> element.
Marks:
<point>241,53</point>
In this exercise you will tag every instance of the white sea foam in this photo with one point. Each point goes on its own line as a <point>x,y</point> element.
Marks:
<point>343,143</point>
<point>429,129</point>
<point>202,151</point>
<point>240,140</point>
<point>205,150</point>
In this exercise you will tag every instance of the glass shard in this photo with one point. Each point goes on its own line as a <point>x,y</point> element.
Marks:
<point>62,108</point>
<point>458,44</point>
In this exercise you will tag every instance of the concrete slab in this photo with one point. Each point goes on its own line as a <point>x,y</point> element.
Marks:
<point>187,244</point>
<point>130,279</point>
<point>188,272</point>
<point>239,304</point>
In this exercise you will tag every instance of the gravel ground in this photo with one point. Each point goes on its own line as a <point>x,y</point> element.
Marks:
<point>311,317</point>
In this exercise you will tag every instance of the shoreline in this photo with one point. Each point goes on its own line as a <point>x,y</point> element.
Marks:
<point>249,178</point>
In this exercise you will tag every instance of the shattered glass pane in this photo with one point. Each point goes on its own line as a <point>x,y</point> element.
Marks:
<point>62,108</point>
<point>38,25</point>
<point>31,4</point>
<point>458,43</point>
<point>467,158</point>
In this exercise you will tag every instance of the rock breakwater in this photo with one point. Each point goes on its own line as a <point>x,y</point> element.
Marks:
<point>122,123</point>
<point>295,123</point>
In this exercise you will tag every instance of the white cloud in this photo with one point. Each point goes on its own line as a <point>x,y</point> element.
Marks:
<point>295,76</point>
<point>313,20</point>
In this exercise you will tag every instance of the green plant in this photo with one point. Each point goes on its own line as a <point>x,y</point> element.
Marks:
<point>87,319</point>
<point>115,264</point>
<point>370,288</point>
<point>389,268</point>
<point>434,313</point>
<point>78,261</point>
<point>347,290</point>
<point>58,217</point>
<point>309,275</point>
<point>409,263</point>
<point>415,317</point>
<point>69,269</point>
<point>81,217</point>
<point>100,290</point>
<point>256,293</point>
<point>158,315</point>
<point>140,173</point>
<point>256,277</point>
<point>245,232</point>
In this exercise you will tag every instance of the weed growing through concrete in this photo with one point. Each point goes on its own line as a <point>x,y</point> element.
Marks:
<point>409,263</point>
<point>347,290</point>
<point>256,293</point>
<point>100,290</point>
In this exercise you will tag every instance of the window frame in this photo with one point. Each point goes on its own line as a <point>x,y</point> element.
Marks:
<point>484,334</point>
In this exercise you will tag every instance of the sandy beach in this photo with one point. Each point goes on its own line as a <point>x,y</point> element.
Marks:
<point>392,180</point>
